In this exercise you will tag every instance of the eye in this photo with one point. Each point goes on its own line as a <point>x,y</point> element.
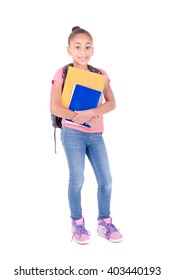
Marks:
<point>88,47</point>
<point>77,47</point>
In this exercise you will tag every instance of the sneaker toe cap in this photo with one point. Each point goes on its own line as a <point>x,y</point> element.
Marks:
<point>116,237</point>
<point>81,239</point>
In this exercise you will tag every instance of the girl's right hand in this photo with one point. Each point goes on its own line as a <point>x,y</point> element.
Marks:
<point>93,122</point>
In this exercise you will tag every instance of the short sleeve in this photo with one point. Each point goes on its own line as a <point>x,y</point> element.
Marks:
<point>58,76</point>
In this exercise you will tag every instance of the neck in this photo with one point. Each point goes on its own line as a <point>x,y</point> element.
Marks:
<point>83,67</point>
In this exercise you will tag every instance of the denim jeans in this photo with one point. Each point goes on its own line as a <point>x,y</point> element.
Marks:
<point>77,146</point>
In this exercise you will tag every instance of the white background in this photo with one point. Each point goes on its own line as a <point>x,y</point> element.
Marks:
<point>133,43</point>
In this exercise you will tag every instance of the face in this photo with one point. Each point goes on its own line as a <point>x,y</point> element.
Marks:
<point>81,50</point>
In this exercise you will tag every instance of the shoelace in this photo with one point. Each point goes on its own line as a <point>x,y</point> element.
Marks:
<point>110,228</point>
<point>79,230</point>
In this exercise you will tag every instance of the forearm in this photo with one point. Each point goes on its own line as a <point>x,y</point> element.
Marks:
<point>87,115</point>
<point>104,108</point>
<point>62,112</point>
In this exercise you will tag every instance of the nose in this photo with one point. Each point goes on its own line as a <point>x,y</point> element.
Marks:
<point>82,51</point>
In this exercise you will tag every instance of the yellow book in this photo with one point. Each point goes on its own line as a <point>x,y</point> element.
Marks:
<point>85,78</point>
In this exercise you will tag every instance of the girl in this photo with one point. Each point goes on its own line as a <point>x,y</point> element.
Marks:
<point>79,141</point>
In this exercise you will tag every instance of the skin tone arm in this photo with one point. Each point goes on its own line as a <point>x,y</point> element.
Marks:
<point>107,106</point>
<point>55,103</point>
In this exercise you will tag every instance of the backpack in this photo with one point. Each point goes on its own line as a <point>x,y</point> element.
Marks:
<point>57,121</point>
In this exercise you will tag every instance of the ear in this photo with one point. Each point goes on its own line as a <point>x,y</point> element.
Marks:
<point>69,50</point>
<point>92,50</point>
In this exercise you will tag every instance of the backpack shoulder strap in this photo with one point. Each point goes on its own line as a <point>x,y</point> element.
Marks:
<point>65,70</point>
<point>94,69</point>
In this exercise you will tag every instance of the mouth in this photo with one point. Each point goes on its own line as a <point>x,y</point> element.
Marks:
<point>83,58</point>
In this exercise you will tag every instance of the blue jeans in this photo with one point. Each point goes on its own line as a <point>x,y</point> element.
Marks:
<point>77,145</point>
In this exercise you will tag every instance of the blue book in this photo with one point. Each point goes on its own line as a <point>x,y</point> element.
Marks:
<point>84,98</point>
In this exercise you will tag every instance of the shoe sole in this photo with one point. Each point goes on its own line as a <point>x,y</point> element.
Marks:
<point>111,240</point>
<point>81,242</point>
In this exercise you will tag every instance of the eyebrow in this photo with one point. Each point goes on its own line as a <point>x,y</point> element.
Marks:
<point>88,43</point>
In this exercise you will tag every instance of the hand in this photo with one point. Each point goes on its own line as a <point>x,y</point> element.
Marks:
<point>83,116</point>
<point>94,121</point>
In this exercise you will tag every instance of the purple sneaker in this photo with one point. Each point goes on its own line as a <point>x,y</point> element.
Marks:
<point>108,230</point>
<point>80,234</point>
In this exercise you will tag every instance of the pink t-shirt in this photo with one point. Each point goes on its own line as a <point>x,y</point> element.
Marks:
<point>99,128</point>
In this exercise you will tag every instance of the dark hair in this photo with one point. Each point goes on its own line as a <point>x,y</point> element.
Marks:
<point>77,30</point>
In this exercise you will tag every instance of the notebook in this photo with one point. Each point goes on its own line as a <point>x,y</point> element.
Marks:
<point>82,77</point>
<point>84,98</point>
